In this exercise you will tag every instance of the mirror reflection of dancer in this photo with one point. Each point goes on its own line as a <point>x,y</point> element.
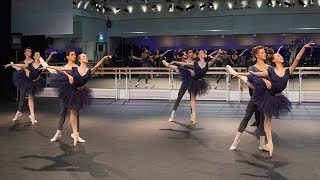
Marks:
<point>267,95</point>
<point>196,85</point>
<point>29,83</point>
<point>146,62</point>
<point>157,57</point>
<point>72,89</point>
<point>71,58</point>
<point>259,53</point>
<point>182,89</point>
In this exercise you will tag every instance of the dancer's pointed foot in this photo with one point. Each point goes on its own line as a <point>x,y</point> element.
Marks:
<point>173,114</point>
<point>231,71</point>
<point>56,136</point>
<point>234,145</point>
<point>270,147</point>
<point>263,148</point>
<point>32,119</point>
<point>79,138</point>
<point>193,118</point>
<point>18,114</point>
<point>75,138</point>
<point>236,141</point>
<point>165,63</point>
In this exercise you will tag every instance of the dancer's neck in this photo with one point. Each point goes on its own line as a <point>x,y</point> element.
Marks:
<point>83,65</point>
<point>70,64</point>
<point>279,66</point>
<point>260,62</point>
<point>28,59</point>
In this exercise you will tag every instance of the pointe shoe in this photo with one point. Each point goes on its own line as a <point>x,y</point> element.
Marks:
<point>234,145</point>
<point>75,138</point>
<point>18,114</point>
<point>231,71</point>
<point>173,114</point>
<point>263,148</point>
<point>216,86</point>
<point>136,84</point>
<point>165,63</point>
<point>193,118</point>
<point>236,141</point>
<point>56,136</point>
<point>32,119</point>
<point>270,147</point>
<point>79,138</point>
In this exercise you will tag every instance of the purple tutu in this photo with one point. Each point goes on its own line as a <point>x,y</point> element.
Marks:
<point>26,84</point>
<point>70,96</point>
<point>266,100</point>
<point>194,85</point>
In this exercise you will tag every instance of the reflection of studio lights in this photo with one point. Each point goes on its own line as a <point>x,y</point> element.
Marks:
<point>144,8</point>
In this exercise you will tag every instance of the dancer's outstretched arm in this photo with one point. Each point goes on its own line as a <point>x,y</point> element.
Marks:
<point>16,65</point>
<point>50,56</point>
<point>58,68</point>
<point>261,74</point>
<point>243,52</point>
<point>214,58</point>
<point>135,57</point>
<point>182,63</point>
<point>161,55</point>
<point>96,67</point>
<point>299,55</point>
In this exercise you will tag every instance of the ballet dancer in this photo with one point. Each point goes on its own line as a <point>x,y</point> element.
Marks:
<point>29,84</point>
<point>259,53</point>
<point>71,89</point>
<point>71,58</point>
<point>268,95</point>
<point>196,85</point>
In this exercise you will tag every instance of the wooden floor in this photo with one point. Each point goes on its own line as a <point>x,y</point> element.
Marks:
<point>134,140</point>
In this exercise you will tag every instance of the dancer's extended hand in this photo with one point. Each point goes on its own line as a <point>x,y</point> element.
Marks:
<point>192,72</point>
<point>27,72</point>
<point>309,45</point>
<point>7,65</point>
<point>53,53</point>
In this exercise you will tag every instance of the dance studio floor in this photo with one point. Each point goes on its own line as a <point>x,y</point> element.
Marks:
<point>134,140</point>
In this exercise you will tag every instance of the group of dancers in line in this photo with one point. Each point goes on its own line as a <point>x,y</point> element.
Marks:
<point>154,59</point>
<point>267,83</point>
